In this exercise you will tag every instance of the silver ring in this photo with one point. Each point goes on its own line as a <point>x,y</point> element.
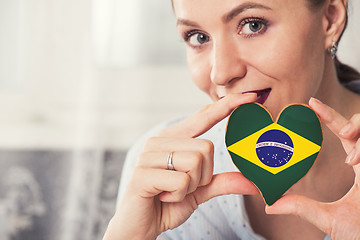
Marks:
<point>170,165</point>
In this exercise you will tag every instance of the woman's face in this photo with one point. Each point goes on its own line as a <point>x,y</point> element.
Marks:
<point>275,48</point>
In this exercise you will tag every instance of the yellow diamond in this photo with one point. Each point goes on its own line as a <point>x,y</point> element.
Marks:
<point>246,148</point>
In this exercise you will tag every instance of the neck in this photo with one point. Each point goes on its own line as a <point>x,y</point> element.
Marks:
<point>330,178</point>
<point>334,94</point>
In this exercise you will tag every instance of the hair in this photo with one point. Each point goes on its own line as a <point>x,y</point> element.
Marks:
<point>344,72</point>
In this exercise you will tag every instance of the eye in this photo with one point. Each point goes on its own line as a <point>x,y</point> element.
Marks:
<point>250,27</point>
<point>196,39</point>
<point>254,27</point>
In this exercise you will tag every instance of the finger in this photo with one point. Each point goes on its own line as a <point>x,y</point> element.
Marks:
<point>317,213</point>
<point>149,182</point>
<point>223,184</point>
<point>203,146</point>
<point>353,157</point>
<point>333,120</point>
<point>357,174</point>
<point>187,162</point>
<point>352,129</point>
<point>207,117</point>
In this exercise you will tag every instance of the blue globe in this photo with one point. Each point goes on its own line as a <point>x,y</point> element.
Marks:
<point>274,148</point>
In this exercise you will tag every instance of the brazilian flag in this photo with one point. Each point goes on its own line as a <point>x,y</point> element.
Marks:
<point>273,155</point>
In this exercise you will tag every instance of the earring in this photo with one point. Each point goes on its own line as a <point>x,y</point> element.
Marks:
<point>333,49</point>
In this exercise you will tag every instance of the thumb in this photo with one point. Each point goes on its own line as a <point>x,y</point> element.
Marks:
<point>315,212</point>
<point>225,183</point>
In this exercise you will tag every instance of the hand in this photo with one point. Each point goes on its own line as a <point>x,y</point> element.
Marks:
<point>158,199</point>
<point>339,219</point>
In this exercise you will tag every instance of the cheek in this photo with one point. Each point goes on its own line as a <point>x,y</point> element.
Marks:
<point>200,72</point>
<point>303,58</point>
<point>293,58</point>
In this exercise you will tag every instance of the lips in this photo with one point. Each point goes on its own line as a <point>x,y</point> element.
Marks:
<point>262,95</point>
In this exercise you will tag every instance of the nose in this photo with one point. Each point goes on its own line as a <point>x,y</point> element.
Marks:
<point>227,63</point>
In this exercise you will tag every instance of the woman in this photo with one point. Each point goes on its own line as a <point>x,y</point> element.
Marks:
<point>273,52</point>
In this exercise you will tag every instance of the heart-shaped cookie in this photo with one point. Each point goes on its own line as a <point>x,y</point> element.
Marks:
<point>273,155</point>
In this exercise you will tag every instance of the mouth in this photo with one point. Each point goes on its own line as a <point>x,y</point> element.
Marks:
<point>262,95</point>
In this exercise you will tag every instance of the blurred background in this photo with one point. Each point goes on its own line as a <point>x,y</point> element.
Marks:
<point>80,82</point>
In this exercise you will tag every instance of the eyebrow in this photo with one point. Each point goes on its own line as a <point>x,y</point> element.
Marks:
<point>241,8</point>
<point>187,23</point>
<point>229,16</point>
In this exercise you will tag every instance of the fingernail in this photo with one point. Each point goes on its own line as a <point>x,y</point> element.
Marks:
<point>250,95</point>
<point>316,100</point>
<point>346,130</point>
<point>350,157</point>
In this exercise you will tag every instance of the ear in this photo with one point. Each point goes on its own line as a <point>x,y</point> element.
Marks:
<point>334,20</point>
